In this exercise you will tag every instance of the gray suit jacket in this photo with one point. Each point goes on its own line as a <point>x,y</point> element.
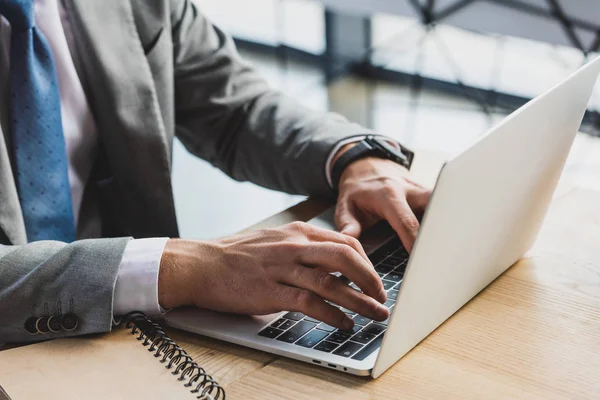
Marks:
<point>153,70</point>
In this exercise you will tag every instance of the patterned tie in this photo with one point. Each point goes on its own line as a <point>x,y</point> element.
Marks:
<point>37,135</point>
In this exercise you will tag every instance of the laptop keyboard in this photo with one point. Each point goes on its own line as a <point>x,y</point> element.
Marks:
<point>366,336</point>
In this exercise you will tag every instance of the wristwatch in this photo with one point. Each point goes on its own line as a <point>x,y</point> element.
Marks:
<point>371,146</point>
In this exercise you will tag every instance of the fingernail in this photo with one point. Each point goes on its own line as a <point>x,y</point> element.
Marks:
<point>382,313</point>
<point>383,296</point>
<point>347,323</point>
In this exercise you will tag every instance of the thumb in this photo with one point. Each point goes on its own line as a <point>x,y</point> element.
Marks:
<point>346,222</point>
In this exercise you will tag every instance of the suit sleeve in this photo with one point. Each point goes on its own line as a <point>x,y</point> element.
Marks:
<point>49,278</point>
<point>228,115</point>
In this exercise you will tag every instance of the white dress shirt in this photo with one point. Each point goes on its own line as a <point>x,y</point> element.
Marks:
<point>137,280</point>
<point>136,286</point>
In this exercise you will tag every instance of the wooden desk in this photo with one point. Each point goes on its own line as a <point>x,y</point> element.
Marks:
<point>533,333</point>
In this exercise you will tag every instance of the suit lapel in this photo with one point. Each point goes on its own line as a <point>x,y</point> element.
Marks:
<point>124,101</point>
<point>11,217</point>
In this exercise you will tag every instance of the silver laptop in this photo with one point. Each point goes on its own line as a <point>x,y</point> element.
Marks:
<point>485,212</point>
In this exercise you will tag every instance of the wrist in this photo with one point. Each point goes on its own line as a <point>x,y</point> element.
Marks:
<point>371,147</point>
<point>180,274</point>
<point>366,167</point>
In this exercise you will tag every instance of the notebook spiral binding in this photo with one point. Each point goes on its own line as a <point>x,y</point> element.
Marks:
<point>155,338</point>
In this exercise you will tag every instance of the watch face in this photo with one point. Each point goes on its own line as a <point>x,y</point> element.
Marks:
<point>388,151</point>
<point>389,147</point>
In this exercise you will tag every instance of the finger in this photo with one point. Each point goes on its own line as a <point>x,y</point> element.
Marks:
<point>310,304</point>
<point>332,288</point>
<point>316,234</point>
<point>345,221</point>
<point>334,257</point>
<point>403,220</point>
<point>418,198</point>
<point>414,183</point>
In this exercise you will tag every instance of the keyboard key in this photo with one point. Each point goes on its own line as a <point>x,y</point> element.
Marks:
<point>311,338</point>
<point>278,323</point>
<point>402,253</point>
<point>294,316</point>
<point>348,349</point>
<point>398,261</point>
<point>381,274</point>
<point>296,332</point>
<point>310,319</point>
<point>385,269</point>
<point>287,325</point>
<point>376,257</point>
<point>363,337</point>
<point>326,346</point>
<point>397,285</point>
<point>368,349</point>
<point>390,247</point>
<point>353,286</point>
<point>402,266</point>
<point>324,327</point>
<point>271,333</point>
<point>338,337</point>
<point>389,303</point>
<point>360,320</point>
<point>387,285</point>
<point>390,265</point>
<point>352,331</point>
<point>394,276</point>
<point>347,311</point>
<point>392,294</point>
<point>374,329</point>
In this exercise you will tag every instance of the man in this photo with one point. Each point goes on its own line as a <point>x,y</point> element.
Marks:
<point>93,93</point>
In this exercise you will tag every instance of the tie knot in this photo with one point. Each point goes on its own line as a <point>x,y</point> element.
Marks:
<point>18,12</point>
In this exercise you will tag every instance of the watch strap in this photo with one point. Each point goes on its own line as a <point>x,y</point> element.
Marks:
<point>369,147</point>
<point>352,154</point>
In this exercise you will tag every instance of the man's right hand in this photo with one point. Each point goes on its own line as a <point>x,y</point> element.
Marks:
<point>272,270</point>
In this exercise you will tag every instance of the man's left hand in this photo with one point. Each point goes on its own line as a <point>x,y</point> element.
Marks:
<point>372,189</point>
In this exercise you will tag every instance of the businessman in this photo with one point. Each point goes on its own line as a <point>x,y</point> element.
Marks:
<point>92,95</point>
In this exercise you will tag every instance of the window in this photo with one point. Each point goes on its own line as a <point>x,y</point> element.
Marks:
<point>296,23</point>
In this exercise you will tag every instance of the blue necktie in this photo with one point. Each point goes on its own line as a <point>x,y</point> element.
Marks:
<point>38,141</point>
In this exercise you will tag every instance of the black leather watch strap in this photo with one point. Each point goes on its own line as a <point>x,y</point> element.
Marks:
<point>354,153</point>
<point>369,147</point>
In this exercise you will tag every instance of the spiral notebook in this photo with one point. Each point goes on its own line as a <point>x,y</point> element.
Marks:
<point>135,361</point>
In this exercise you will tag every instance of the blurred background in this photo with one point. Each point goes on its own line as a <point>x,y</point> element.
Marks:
<point>432,74</point>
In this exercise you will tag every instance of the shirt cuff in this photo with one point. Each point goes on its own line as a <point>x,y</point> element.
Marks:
<point>137,280</point>
<point>342,143</point>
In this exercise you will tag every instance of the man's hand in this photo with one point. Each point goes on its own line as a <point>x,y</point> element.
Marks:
<point>271,270</point>
<point>372,189</point>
